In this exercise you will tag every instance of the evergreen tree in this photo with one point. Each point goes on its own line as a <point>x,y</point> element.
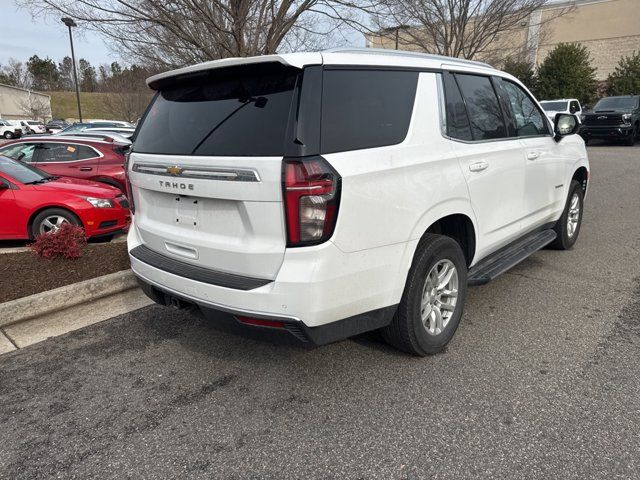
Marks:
<point>566,72</point>
<point>65,70</point>
<point>44,73</point>
<point>522,70</point>
<point>625,80</point>
<point>88,77</point>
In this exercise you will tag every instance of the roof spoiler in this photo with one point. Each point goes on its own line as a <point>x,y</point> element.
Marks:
<point>292,60</point>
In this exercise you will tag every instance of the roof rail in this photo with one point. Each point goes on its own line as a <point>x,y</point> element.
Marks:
<point>405,53</point>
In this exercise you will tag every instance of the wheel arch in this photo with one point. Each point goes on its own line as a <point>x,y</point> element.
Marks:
<point>41,209</point>
<point>581,175</point>
<point>460,228</point>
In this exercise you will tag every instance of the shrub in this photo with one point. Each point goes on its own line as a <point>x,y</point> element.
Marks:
<point>522,70</point>
<point>567,73</point>
<point>625,79</point>
<point>68,242</point>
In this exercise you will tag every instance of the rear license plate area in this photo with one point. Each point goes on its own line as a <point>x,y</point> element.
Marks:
<point>187,211</point>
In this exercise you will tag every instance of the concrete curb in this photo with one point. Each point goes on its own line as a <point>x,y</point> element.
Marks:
<point>14,250</point>
<point>50,301</point>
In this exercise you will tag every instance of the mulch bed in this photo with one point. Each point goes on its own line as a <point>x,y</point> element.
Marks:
<point>25,273</point>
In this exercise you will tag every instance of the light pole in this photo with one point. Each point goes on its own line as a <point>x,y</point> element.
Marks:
<point>70,23</point>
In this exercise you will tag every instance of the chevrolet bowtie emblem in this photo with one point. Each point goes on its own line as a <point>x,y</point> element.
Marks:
<point>175,170</point>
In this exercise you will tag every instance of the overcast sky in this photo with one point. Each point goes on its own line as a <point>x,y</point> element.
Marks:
<point>21,36</point>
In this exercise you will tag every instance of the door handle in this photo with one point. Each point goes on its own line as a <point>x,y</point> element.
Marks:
<point>532,155</point>
<point>478,166</point>
<point>85,169</point>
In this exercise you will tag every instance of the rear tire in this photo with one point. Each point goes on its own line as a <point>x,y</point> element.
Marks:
<point>567,231</point>
<point>47,220</point>
<point>431,307</point>
<point>8,135</point>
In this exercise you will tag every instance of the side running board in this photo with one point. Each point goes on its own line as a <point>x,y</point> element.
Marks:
<point>509,256</point>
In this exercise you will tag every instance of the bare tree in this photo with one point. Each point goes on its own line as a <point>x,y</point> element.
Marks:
<point>471,29</point>
<point>171,33</point>
<point>37,107</point>
<point>16,74</point>
<point>127,94</point>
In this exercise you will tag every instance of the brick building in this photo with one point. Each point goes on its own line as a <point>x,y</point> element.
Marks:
<point>610,29</point>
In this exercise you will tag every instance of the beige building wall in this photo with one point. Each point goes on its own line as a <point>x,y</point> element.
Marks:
<point>610,29</point>
<point>15,103</point>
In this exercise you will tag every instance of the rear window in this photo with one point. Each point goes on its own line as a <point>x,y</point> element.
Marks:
<point>238,112</point>
<point>554,106</point>
<point>366,108</point>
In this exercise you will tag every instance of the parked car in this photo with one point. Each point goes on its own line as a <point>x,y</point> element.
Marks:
<point>94,159</point>
<point>9,130</point>
<point>122,131</point>
<point>613,118</point>
<point>100,135</point>
<point>563,105</point>
<point>56,126</point>
<point>32,127</point>
<point>322,195</point>
<point>79,127</point>
<point>34,202</point>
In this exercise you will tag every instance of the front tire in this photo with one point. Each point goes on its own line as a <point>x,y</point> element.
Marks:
<point>8,135</point>
<point>433,300</point>
<point>567,228</point>
<point>50,220</point>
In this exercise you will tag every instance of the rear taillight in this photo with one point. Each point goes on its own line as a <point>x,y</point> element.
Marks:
<point>129,192</point>
<point>311,191</point>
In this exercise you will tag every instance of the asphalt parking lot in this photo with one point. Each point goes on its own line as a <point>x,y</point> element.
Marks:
<point>541,381</point>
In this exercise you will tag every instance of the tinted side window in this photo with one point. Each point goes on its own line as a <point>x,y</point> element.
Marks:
<point>483,107</point>
<point>365,108</point>
<point>574,106</point>
<point>456,113</point>
<point>57,152</point>
<point>85,152</point>
<point>529,120</point>
<point>19,151</point>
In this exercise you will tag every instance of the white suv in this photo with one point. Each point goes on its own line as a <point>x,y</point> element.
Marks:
<point>321,195</point>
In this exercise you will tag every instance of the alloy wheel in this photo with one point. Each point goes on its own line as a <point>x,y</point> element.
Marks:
<point>439,297</point>
<point>574,215</point>
<point>52,224</point>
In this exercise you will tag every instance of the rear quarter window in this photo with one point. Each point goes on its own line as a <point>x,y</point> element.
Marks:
<point>365,108</point>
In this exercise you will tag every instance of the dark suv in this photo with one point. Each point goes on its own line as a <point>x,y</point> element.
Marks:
<point>613,118</point>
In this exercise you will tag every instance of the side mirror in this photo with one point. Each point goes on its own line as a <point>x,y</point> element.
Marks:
<point>3,185</point>
<point>565,124</point>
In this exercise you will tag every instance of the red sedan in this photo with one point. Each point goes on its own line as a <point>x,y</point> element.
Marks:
<point>100,160</point>
<point>34,202</point>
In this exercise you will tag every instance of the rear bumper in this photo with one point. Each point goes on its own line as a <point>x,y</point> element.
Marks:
<point>267,325</point>
<point>315,286</point>
<point>617,131</point>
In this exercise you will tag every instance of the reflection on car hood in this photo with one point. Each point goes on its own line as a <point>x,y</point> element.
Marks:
<point>78,187</point>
